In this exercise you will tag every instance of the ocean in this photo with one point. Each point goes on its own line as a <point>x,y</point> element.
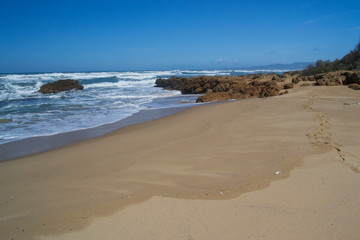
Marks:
<point>107,97</point>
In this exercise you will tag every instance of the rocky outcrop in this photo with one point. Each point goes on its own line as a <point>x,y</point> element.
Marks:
<point>289,85</point>
<point>242,91</point>
<point>354,86</point>
<point>330,79</point>
<point>60,86</point>
<point>352,78</point>
<point>219,88</point>
<point>225,87</point>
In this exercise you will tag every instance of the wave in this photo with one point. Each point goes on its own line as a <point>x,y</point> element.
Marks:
<point>88,75</point>
<point>57,76</point>
<point>134,75</point>
<point>107,97</point>
<point>261,71</point>
<point>206,72</point>
<point>149,96</point>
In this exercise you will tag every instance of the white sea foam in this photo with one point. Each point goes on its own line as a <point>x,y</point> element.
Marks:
<point>206,72</point>
<point>260,71</point>
<point>88,75</point>
<point>107,97</point>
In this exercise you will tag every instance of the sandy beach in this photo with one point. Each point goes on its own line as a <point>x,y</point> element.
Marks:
<point>284,167</point>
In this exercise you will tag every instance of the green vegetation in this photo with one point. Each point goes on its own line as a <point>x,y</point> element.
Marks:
<point>350,61</point>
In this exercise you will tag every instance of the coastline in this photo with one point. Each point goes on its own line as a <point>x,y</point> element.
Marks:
<point>179,167</point>
<point>38,144</point>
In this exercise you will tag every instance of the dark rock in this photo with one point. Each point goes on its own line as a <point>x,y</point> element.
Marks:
<point>352,78</point>
<point>219,88</point>
<point>354,86</point>
<point>60,86</point>
<point>268,90</point>
<point>296,80</point>
<point>319,76</point>
<point>288,85</point>
<point>199,90</point>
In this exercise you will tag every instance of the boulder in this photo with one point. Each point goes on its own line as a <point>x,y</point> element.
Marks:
<point>288,85</point>
<point>296,80</point>
<point>276,78</point>
<point>311,78</point>
<point>354,86</point>
<point>60,86</point>
<point>330,79</point>
<point>352,78</point>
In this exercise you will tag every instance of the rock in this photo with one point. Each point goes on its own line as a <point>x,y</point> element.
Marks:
<point>311,78</point>
<point>354,86</point>
<point>305,78</point>
<point>331,83</point>
<point>288,85</point>
<point>60,86</point>
<point>320,82</point>
<point>218,88</point>
<point>352,78</point>
<point>296,80</point>
<point>276,78</point>
<point>330,79</point>
<point>268,90</point>
<point>199,90</point>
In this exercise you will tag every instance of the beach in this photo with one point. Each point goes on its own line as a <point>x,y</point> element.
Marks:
<point>284,167</point>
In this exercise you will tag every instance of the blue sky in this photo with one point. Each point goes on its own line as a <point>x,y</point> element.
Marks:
<point>47,36</point>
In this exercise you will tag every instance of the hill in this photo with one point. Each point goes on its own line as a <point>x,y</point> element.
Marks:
<point>350,61</point>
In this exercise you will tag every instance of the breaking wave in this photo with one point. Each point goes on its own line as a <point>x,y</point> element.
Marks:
<point>107,97</point>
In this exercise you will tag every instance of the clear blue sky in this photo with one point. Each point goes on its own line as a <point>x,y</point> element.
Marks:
<point>37,36</point>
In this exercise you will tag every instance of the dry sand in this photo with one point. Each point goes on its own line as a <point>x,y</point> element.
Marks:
<point>193,175</point>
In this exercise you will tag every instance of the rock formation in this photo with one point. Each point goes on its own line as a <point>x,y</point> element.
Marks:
<point>225,87</point>
<point>220,88</point>
<point>60,86</point>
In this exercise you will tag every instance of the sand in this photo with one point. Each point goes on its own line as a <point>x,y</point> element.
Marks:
<point>206,173</point>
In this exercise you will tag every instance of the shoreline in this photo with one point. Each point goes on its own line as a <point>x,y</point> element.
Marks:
<point>33,145</point>
<point>214,153</point>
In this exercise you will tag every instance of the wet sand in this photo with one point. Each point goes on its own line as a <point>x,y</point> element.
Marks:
<point>206,173</point>
<point>39,144</point>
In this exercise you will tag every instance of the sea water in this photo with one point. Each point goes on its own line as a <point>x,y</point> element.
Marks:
<point>107,97</point>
